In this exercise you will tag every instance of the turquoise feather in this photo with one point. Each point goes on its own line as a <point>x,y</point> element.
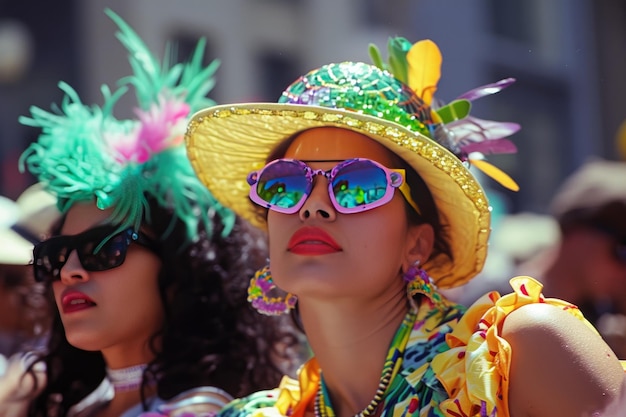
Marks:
<point>76,158</point>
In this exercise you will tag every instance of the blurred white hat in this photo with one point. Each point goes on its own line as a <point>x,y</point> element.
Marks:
<point>594,196</point>
<point>25,222</point>
<point>593,185</point>
<point>522,235</point>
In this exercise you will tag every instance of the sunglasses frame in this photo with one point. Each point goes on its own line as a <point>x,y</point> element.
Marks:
<point>98,237</point>
<point>394,177</point>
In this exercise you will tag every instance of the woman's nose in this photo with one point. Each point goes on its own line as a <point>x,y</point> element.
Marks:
<point>318,204</point>
<point>73,271</point>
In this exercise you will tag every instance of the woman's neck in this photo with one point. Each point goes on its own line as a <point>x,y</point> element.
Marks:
<point>127,354</point>
<point>350,345</point>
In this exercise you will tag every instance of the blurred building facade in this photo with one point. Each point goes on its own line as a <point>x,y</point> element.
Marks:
<point>568,57</point>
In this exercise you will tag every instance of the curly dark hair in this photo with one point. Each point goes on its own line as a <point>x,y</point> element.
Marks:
<point>210,335</point>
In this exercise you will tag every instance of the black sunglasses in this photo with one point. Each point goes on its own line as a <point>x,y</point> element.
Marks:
<point>98,249</point>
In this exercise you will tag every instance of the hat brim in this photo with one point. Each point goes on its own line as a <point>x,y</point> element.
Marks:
<point>15,249</point>
<point>225,143</point>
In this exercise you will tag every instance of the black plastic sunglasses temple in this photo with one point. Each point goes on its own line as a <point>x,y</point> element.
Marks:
<point>147,242</point>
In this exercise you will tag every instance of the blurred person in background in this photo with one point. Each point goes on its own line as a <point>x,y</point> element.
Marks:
<point>24,222</point>
<point>515,238</point>
<point>587,264</point>
<point>24,317</point>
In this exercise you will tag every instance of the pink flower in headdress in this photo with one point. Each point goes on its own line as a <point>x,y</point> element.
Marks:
<point>160,127</point>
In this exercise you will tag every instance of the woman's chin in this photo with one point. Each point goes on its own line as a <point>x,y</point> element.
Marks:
<point>89,342</point>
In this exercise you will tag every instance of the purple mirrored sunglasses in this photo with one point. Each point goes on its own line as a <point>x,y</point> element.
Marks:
<point>354,185</point>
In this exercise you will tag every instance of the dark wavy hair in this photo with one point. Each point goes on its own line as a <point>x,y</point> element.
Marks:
<point>211,336</point>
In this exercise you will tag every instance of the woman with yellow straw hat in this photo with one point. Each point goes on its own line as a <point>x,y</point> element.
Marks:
<point>146,272</point>
<point>361,179</point>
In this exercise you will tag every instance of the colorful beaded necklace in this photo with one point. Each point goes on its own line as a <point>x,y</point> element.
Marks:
<point>323,407</point>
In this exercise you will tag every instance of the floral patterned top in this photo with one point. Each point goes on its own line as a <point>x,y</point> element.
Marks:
<point>455,364</point>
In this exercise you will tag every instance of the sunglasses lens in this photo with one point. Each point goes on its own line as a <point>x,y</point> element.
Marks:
<point>49,257</point>
<point>95,256</point>
<point>282,184</point>
<point>358,184</point>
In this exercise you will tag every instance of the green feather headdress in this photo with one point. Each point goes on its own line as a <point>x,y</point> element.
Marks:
<point>85,154</point>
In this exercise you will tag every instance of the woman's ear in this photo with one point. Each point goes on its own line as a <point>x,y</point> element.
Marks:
<point>419,244</point>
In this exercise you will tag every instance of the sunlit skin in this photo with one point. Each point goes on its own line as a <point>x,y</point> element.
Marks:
<point>355,296</point>
<point>128,308</point>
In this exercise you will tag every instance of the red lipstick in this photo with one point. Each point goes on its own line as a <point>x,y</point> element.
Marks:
<point>312,241</point>
<point>72,301</point>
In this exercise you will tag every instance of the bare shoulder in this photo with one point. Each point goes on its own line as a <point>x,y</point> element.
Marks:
<point>559,365</point>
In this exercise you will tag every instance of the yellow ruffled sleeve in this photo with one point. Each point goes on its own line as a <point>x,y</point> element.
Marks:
<point>292,398</point>
<point>295,396</point>
<point>475,371</point>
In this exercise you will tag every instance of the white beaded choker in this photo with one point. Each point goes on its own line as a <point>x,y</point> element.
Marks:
<point>126,379</point>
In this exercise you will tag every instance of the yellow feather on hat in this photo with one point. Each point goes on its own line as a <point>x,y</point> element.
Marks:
<point>424,59</point>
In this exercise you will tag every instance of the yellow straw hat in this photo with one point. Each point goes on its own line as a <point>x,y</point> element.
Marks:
<point>225,143</point>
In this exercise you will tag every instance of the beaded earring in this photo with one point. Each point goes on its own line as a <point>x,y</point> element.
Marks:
<point>258,295</point>
<point>418,282</point>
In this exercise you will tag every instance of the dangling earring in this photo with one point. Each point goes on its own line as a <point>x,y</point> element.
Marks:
<point>258,295</point>
<point>418,282</point>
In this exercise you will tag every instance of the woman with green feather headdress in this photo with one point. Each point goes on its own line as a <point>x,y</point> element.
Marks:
<point>146,270</point>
